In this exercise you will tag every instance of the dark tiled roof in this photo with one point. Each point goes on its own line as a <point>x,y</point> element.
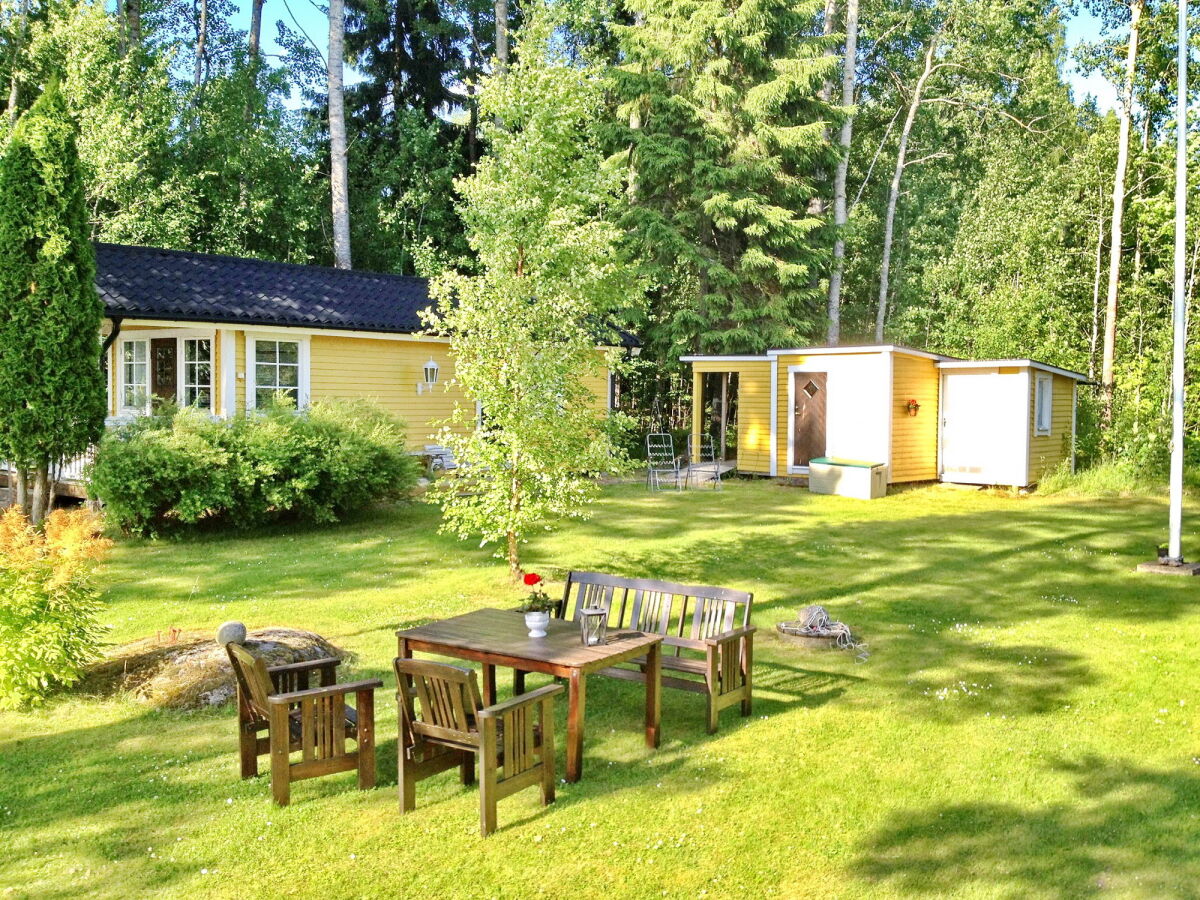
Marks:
<point>146,283</point>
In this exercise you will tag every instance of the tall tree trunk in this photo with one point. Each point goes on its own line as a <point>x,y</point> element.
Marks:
<point>14,85</point>
<point>43,498</point>
<point>501,8</point>
<point>133,23</point>
<point>255,37</point>
<point>1107,373</point>
<point>894,191</point>
<point>201,41</point>
<point>20,489</point>
<point>840,216</point>
<point>1095,335</point>
<point>819,204</point>
<point>337,137</point>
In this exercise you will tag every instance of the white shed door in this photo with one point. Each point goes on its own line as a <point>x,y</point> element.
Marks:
<point>984,428</point>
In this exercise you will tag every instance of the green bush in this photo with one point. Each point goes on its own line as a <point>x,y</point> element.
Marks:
<point>185,469</point>
<point>48,603</point>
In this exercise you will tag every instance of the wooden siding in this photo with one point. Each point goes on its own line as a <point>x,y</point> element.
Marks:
<point>754,409</point>
<point>388,372</point>
<point>914,438</point>
<point>1049,450</point>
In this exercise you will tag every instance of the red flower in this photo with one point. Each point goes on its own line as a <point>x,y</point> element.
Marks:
<point>532,578</point>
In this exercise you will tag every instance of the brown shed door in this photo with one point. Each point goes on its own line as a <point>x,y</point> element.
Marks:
<point>808,397</point>
<point>163,368</point>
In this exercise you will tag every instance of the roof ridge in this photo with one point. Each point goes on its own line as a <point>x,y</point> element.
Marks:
<point>309,267</point>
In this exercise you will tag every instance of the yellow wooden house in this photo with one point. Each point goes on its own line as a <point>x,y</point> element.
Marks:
<point>924,416</point>
<point>225,334</point>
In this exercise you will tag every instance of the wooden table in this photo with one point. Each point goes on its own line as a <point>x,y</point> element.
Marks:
<point>497,637</point>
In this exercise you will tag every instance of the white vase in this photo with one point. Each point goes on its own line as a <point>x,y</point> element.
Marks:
<point>536,622</point>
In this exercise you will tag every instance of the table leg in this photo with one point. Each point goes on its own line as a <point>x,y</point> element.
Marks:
<point>518,682</point>
<point>653,695</point>
<point>489,684</point>
<point>576,701</point>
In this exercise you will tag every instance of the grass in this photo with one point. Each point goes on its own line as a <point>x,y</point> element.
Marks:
<point>1024,725</point>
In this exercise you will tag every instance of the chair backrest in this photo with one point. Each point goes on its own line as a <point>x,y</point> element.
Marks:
<point>706,450</point>
<point>660,449</point>
<point>448,698</point>
<point>253,678</point>
<point>693,612</point>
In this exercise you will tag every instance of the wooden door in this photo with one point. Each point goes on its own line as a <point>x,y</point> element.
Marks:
<point>808,399</point>
<point>164,368</point>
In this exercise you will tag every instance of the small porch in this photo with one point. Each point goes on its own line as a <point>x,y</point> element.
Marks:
<point>730,406</point>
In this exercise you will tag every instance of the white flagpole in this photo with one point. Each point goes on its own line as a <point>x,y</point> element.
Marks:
<point>1175,542</point>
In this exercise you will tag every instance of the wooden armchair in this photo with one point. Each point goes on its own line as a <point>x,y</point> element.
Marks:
<point>452,727</point>
<point>316,721</point>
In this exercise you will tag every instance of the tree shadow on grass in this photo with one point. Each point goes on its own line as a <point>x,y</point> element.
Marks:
<point>1129,829</point>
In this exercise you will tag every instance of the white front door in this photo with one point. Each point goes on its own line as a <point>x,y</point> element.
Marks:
<point>984,427</point>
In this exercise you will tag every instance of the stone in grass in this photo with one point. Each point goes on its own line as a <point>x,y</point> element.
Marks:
<point>190,670</point>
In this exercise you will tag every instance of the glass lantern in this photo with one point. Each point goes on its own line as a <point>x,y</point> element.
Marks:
<point>593,625</point>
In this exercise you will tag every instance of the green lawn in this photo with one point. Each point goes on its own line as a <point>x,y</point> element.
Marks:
<point>1023,726</point>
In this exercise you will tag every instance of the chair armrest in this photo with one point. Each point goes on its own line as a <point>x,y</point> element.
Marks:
<point>726,637</point>
<point>499,709</point>
<point>349,687</point>
<point>305,665</point>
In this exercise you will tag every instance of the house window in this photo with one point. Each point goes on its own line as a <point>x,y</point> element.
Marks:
<point>135,375</point>
<point>197,373</point>
<point>1043,405</point>
<point>276,370</point>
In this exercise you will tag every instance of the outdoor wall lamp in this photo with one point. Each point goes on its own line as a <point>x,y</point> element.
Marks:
<point>430,372</point>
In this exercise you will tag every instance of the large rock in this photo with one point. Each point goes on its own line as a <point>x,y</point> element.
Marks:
<point>190,670</point>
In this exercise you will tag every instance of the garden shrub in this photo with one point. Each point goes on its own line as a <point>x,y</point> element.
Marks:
<point>314,466</point>
<point>48,602</point>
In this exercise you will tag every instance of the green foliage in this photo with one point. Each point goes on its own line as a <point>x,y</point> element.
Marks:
<point>158,474</point>
<point>52,394</point>
<point>49,602</point>
<point>524,331</point>
<point>721,132</point>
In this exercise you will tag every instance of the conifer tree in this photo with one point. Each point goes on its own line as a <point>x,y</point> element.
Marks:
<point>720,125</point>
<point>52,399</point>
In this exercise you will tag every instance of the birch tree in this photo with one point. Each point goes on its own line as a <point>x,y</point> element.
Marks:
<point>845,136</point>
<point>339,188</point>
<point>523,332</point>
<point>1116,230</point>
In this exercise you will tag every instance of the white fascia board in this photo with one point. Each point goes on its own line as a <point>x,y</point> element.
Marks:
<point>1019,363</point>
<point>285,329</point>
<point>865,348</point>
<point>692,359</point>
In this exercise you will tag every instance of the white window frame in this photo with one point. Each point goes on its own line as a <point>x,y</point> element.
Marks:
<point>303,357</point>
<point>121,383</point>
<point>147,335</point>
<point>1043,405</point>
<point>182,370</point>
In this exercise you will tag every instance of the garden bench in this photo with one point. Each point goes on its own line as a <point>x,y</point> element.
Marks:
<point>316,721</point>
<point>708,640</point>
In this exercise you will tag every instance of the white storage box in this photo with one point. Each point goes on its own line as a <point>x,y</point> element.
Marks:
<point>847,477</point>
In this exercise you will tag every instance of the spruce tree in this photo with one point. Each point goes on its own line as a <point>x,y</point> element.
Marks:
<point>720,127</point>
<point>52,396</point>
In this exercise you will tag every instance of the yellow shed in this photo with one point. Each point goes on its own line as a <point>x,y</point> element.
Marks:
<point>922,415</point>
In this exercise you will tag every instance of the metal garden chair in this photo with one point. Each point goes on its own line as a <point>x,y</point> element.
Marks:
<point>705,468</point>
<point>662,462</point>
